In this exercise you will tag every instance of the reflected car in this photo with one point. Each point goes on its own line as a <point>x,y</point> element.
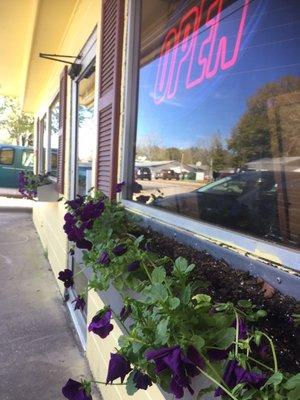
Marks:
<point>255,202</point>
<point>167,174</point>
<point>142,173</point>
<point>14,159</point>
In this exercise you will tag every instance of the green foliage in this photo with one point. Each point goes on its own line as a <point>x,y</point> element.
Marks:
<point>166,310</point>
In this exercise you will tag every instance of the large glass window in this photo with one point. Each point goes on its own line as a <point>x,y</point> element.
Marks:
<point>86,132</point>
<point>218,117</point>
<point>43,145</point>
<point>54,136</point>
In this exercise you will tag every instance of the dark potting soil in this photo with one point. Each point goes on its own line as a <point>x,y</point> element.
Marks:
<point>226,284</point>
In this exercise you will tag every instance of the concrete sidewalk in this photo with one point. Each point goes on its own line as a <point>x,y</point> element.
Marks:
<point>38,350</point>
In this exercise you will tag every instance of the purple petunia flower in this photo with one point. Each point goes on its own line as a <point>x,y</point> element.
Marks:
<point>74,233</point>
<point>119,187</point>
<point>91,210</point>
<point>119,250</point>
<point>74,390</point>
<point>181,366</point>
<point>84,244</point>
<point>76,203</point>
<point>234,374</point>
<point>79,303</point>
<point>87,224</point>
<point>125,312</point>
<point>142,381</point>
<point>104,258</point>
<point>66,277</point>
<point>118,367</point>
<point>134,266</point>
<point>100,323</point>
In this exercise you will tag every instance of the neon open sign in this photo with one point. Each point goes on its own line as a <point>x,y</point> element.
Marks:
<point>195,42</point>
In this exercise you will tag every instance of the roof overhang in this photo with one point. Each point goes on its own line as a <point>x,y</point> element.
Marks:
<point>29,27</point>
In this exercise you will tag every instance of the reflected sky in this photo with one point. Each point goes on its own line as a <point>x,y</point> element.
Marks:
<point>269,50</point>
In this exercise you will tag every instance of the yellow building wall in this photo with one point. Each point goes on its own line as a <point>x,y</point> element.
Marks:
<point>48,217</point>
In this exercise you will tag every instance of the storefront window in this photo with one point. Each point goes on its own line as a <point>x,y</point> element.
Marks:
<point>86,132</point>
<point>218,115</point>
<point>43,144</point>
<point>54,135</point>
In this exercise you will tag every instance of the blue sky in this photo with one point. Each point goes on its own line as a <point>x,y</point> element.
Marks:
<point>269,51</point>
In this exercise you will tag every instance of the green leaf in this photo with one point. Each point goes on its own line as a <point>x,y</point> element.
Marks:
<point>123,341</point>
<point>202,298</point>
<point>136,347</point>
<point>274,379</point>
<point>190,268</point>
<point>261,313</point>
<point>174,302</point>
<point>159,292</point>
<point>245,303</point>
<point>130,385</point>
<point>162,331</point>
<point>138,241</point>
<point>198,342</point>
<point>206,390</point>
<point>181,264</point>
<point>224,338</point>
<point>158,275</point>
<point>257,337</point>
<point>294,394</point>
<point>186,295</point>
<point>293,382</point>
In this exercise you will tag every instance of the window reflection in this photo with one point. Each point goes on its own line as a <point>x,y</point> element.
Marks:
<point>54,136</point>
<point>219,114</point>
<point>85,131</point>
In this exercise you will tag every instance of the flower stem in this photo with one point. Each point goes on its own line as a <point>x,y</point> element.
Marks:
<point>237,327</point>
<point>218,384</point>
<point>104,383</point>
<point>147,272</point>
<point>273,351</point>
<point>208,363</point>
<point>121,322</point>
<point>260,363</point>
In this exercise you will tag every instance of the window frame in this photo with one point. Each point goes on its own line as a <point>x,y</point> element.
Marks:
<point>13,158</point>
<point>241,243</point>
<point>48,158</point>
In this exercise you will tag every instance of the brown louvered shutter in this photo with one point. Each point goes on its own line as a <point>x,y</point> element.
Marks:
<point>112,22</point>
<point>37,147</point>
<point>62,130</point>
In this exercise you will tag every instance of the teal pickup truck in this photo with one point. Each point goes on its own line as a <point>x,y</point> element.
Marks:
<point>14,159</point>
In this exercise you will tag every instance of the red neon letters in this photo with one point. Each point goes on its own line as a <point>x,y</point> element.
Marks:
<point>194,44</point>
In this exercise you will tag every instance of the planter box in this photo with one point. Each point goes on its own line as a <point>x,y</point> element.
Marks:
<point>47,193</point>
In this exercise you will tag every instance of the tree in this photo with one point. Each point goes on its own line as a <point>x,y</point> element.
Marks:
<point>219,156</point>
<point>252,137</point>
<point>17,124</point>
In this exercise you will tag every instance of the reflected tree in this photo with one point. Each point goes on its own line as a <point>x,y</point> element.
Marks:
<point>251,138</point>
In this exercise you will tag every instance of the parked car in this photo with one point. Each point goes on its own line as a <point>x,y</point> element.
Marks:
<point>14,159</point>
<point>167,174</point>
<point>142,173</point>
<point>262,203</point>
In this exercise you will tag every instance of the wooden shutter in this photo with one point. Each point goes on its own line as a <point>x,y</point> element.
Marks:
<point>62,130</point>
<point>37,147</point>
<point>112,22</point>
